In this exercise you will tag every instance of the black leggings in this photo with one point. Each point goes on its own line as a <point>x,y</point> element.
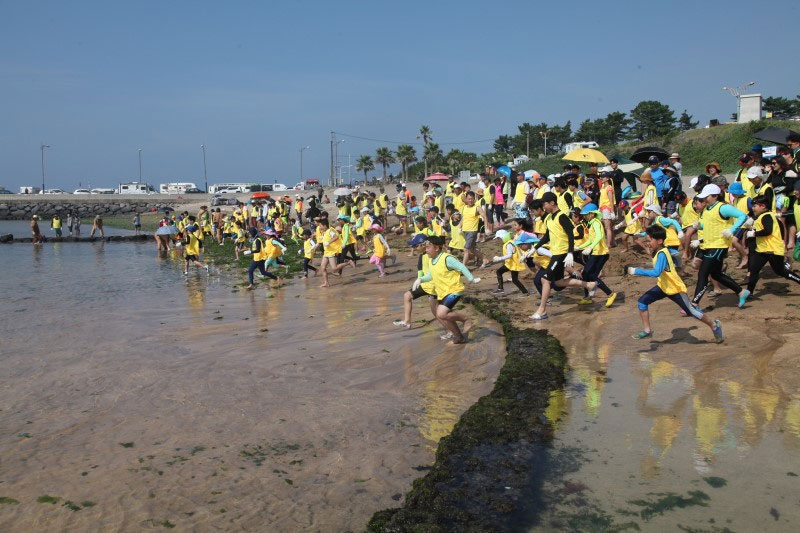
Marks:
<point>351,249</point>
<point>757,262</point>
<point>307,265</point>
<point>260,266</point>
<point>591,272</point>
<point>713,258</point>
<point>514,279</point>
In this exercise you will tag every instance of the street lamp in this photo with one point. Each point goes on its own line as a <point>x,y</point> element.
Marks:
<point>42,146</point>
<point>205,172</point>
<point>737,92</point>
<point>140,165</point>
<point>336,158</point>
<point>544,135</point>
<point>302,149</point>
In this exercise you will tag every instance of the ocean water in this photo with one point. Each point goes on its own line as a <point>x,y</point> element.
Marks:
<point>22,228</point>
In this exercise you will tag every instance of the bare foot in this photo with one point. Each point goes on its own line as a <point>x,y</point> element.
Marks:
<point>457,340</point>
<point>467,326</point>
<point>324,285</point>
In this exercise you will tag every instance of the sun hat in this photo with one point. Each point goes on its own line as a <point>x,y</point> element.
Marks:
<point>526,238</point>
<point>654,208</point>
<point>736,188</point>
<point>417,240</point>
<point>645,177</point>
<point>709,189</point>
<point>588,208</point>
<point>376,227</point>
<point>720,181</point>
<point>675,155</point>
<point>715,165</point>
<point>271,232</point>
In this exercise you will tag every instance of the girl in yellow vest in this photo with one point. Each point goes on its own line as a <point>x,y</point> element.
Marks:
<point>332,248</point>
<point>769,247</point>
<point>309,246</point>
<point>445,273</point>
<point>424,289</point>
<point>457,241</point>
<point>669,285</point>
<point>607,203</point>
<point>687,216</point>
<point>594,249</point>
<point>240,240</point>
<point>380,250</point>
<point>512,262</point>
<point>258,257</point>
<point>191,251</point>
<point>348,234</point>
<point>401,211</point>
<point>630,222</point>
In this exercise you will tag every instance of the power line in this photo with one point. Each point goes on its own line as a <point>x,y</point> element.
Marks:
<point>410,142</point>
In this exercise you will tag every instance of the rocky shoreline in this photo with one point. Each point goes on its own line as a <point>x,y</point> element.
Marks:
<point>9,239</point>
<point>24,208</point>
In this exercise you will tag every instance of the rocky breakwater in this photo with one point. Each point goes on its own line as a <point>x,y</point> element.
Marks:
<point>24,208</point>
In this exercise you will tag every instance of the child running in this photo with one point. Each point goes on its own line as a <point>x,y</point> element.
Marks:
<point>191,252</point>
<point>424,289</point>
<point>669,285</point>
<point>595,252</point>
<point>380,250</point>
<point>258,258</point>
<point>308,253</point>
<point>446,272</point>
<point>512,262</point>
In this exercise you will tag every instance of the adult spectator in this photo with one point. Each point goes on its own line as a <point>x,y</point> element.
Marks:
<point>675,161</point>
<point>618,176</point>
<point>657,176</point>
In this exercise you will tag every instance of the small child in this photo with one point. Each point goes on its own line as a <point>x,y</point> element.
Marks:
<point>669,285</point>
<point>424,289</point>
<point>632,224</point>
<point>512,262</point>
<point>240,241</point>
<point>191,252</point>
<point>380,249</point>
<point>308,253</point>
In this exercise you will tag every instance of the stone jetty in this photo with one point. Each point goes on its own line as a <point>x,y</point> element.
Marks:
<point>24,207</point>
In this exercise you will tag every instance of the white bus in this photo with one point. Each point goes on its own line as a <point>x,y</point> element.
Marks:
<point>580,144</point>
<point>175,188</point>
<point>229,188</point>
<point>135,188</point>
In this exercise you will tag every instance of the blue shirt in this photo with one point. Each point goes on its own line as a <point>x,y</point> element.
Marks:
<point>660,180</point>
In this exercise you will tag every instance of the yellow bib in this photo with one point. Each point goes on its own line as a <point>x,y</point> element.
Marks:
<point>672,235</point>
<point>772,243</point>
<point>713,226</point>
<point>445,281</point>
<point>559,243</point>
<point>513,263</point>
<point>470,218</point>
<point>669,281</point>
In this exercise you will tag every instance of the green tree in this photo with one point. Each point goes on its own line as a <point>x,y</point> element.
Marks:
<point>559,136</point>
<point>406,155</point>
<point>433,155</point>
<point>651,119</point>
<point>365,164</point>
<point>384,157</point>
<point>504,143</point>
<point>426,134</point>
<point>616,127</point>
<point>781,107</point>
<point>685,122</point>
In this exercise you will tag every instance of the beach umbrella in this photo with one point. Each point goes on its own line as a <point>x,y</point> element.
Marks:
<point>167,230</point>
<point>342,191</point>
<point>586,155</point>
<point>437,176</point>
<point>773,135</point>
<point>643,154</point>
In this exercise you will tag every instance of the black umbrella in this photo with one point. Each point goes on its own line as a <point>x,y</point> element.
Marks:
<point>643,154</point>
<point>773,135</point>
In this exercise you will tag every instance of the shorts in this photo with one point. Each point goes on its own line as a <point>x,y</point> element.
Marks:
<point>555,270</point>
<point>191,257</point>
<point>419,292</point>
<point>135,226</point>
<point>470,238</point>
<point>450,300</point>
<point>740,233</point>
<point>699,253</point>
<point>607,213</point>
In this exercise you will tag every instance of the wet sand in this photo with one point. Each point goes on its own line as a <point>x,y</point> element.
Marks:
<point>209,407</point>
<point>677,431</point>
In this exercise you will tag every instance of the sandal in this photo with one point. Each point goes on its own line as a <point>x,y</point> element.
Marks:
<point>537,316</point>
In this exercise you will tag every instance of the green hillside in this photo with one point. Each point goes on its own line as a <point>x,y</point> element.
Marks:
<point>723,144</point>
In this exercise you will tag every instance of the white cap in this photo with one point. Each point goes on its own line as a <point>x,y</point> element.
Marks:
<point>501,234</point>
<point>692,183</point>
<point>709,189</point>
<point>755,172</point>
<point>365,209</point>
<point>654,208</point>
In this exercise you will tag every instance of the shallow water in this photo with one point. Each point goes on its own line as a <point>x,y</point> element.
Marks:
<point>146,398</point>
<point>22,228</point>
<point>673,437</point>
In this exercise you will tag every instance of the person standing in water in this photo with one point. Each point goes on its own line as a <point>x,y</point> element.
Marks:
<point>97,225</point>
<point>137,223</point>
<point>55,225</point>
<point>37,235</point>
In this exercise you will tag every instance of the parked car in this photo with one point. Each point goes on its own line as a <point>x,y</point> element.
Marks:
<point>194,190</point>
<point>54,191</point>
<point>5,191</point>
<point>81,191</point>
<point>102,191</point>
<point>221,200</point>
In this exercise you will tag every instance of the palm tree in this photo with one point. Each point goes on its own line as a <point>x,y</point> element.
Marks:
<point>384,156</point>
<point>426,134</point>
<point>405,156</point>
<point>364,164</point>
<point>433,154</point>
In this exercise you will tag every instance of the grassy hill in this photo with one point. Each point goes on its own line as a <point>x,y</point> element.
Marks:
<point>723,144</point>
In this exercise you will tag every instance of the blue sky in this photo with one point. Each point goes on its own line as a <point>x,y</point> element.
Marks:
<point>255,81</point>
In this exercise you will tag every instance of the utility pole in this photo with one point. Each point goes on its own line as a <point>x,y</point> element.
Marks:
<point>302,149</point>
<point>140,165</point>
<point>330,179</point>
<point>528,144</point>
<point>42,146</point>
<point>205,173</point>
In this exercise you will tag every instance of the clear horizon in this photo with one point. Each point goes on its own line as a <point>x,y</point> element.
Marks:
<point>255,82</point>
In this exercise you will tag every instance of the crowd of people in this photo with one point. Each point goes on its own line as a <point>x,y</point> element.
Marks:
<point>563,228</point>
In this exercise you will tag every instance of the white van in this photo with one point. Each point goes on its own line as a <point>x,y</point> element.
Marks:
<point>229,188</point>
<point>175,188</point>
<point>135,188</point>
<point>279,187</point>
<point>580,144</point>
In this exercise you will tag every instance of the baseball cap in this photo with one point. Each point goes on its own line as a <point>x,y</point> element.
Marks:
<point>654,208</point>
<point>653,159</point>
<point>746,158</point>
<point>736,188</point>
<point>549,197</point>
<point>692,183</point>
<point>417,240</point>
<point>709,189</point>
<point>755,172</point>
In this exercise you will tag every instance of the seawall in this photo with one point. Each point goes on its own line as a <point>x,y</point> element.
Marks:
<point>23,208</point>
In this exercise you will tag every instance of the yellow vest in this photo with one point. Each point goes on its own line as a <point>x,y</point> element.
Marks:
<point>562,201</point>
<point>335,247</point>
<point>272,251</point>
<point>438,230</point>
<point>519,193</point>
<point>458,203</point>
<point>604,199</point>
<point>764,188</point>
<point>688,215</point>
<point>428,286</point>
<point>378,248</point>
<point>747,185</point>
<point>634,228</point>
<point>56,223</point>
<point>559,243</point>
<point>487,195</point>
<point>772,243</point>
<point>669,281</point>
<point>258,255</point>
<point>713,226</point>
<point>308,249</point>
<point>438,201</point>
<point>400,209</point>
<point>650,195</point>
<point>513,263</point>
<point>595,227</point>
<point>445,281</point>
<point>672,235</point>
<point>193,246</point>
<point>457,241</point>
<point>470,218</point>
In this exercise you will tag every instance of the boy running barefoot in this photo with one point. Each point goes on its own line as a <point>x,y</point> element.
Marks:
<point>669,285</point>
